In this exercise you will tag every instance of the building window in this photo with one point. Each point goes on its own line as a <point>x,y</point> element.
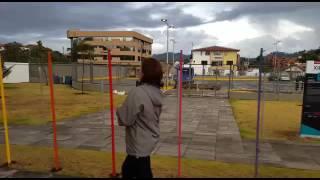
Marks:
<point>219,63</point>
<point>207,53</point>
<point>138,58</point>
<point>126,58</point>
<point>204,62</point>
<point>201,53</point>
<point>128,38</point>
<point>217,53</point>
<point>88,38</point>
<point>117,38</point>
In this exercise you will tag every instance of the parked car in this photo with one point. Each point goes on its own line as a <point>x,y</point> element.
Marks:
<point>272,77</point>
<point>284,77</point>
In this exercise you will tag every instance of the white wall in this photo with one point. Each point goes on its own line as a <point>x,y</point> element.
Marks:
<point>197,58</point>
<point>19,72</point>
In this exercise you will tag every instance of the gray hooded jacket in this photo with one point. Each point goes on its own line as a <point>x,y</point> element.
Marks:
<point>140,114</point>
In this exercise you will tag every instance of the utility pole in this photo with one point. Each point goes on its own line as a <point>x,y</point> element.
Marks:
<point>277,69</point>
<point>190,61</point>
<point>173,42</point>
<point>258,117</point>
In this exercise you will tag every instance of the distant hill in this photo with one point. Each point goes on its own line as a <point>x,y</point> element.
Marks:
<point>163,57</point>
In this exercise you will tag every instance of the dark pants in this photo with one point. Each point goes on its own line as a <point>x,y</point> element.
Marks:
<point>133,167</point>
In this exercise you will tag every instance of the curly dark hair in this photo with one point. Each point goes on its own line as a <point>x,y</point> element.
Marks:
<point>152,72</point>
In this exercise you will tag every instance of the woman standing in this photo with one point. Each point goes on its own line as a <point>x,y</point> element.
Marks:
<point>140,115</point>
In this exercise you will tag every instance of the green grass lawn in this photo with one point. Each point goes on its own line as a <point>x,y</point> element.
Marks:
<point>89,163</point>
<point>28,103</point>
<point>281,119</point>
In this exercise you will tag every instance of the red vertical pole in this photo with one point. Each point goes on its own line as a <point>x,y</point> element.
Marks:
<point>112,115</point>
<point>55,144</point>
<point>180,115</point>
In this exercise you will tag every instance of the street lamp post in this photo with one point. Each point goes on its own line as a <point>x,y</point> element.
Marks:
<point>168,26</point>
<point>173,42</point>
<point>277,68</point>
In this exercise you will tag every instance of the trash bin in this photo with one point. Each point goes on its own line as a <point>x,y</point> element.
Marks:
<point>56,79</point>
<point>68,80</point>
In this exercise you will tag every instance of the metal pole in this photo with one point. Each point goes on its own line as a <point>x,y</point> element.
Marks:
<point>53,111</point>
<point>167,57</point>
<point>173,42</point>
<point>82,76</point>
<point>229,81</point>
<point>216,85</point>
<point>190,67</point>
<point>258,117</point>
<point>203,74</point>
<point>180,114</point>
<point>232,76</point>
<point>262,104</point>
<point>4,117</point>
<point>189,75</point>
<point>113,174</point>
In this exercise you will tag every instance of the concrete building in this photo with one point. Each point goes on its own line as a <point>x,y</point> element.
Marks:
<point>127,47</point>
<point>214,55</point>
<point>19,72</point>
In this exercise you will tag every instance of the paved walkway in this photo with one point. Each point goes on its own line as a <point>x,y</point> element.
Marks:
<point>209,132</point>
<point>13,173</point>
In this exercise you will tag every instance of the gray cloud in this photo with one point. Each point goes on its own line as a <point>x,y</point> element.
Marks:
<point>48,17</point>
<point>251,47</point>
<point>258,8</point>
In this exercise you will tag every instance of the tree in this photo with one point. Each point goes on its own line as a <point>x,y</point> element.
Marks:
<point>14,53</point>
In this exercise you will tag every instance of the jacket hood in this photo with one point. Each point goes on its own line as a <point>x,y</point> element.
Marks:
<point>154,93</point>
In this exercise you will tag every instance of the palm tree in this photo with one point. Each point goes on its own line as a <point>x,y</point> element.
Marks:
<point>85,49</point>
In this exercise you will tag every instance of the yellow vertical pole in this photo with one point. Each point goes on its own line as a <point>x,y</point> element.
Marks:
<point>4,115</point>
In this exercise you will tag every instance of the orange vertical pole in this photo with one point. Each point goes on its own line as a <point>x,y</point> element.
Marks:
<point>55,144</point>
<point>114,174</point>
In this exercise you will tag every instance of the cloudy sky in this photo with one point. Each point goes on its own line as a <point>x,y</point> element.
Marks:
<point>247,26</point>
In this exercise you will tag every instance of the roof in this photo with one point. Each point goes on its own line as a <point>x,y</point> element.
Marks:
<point>78,33</point>
<point>216,48</point>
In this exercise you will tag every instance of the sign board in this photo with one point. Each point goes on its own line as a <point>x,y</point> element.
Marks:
<point>310,121</point>
<point>313,67</point>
